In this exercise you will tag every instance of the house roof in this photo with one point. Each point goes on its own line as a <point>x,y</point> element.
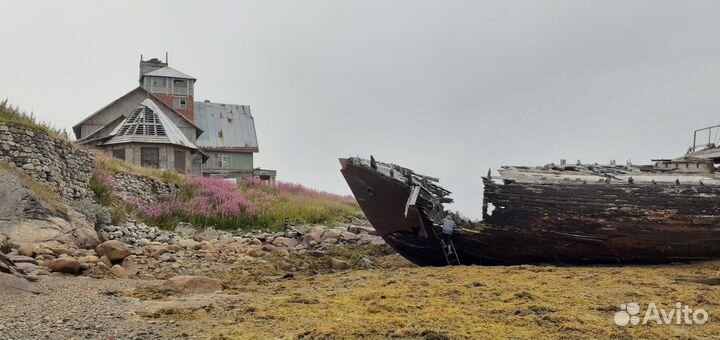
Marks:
<point>167,71</point>
<point>148,124</point>
<point>138,90</point>
<point>228,127</point>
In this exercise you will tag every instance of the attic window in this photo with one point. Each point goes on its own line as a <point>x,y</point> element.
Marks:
<point>220,134</point>
<point>142,122</point>
<point>229,119</point>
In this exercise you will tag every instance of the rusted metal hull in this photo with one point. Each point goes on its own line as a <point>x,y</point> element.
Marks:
<point>576,223</point>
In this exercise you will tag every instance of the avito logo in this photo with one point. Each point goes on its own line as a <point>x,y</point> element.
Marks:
<point>682,314</point>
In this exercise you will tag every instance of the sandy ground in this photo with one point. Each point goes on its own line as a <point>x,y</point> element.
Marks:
<point>394,301</point>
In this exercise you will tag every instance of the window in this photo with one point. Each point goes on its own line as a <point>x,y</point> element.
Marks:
<point>159,82</point>
<point>221,160</point>
<point>180,86</point>
<point>150,157</point>
<point>180,103</point>
<point>180,161</point>
<point>142,122</point>
<point>119,153</point>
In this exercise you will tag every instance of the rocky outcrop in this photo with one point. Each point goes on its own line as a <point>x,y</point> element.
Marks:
<point>7,266</point>
<point>50,161</point>
<point>26,219</point>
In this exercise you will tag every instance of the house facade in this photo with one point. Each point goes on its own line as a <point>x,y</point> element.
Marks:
<point>229,141</point>
<point>160,125</point>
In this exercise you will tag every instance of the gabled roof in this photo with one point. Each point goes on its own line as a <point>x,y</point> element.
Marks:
<point>228,127</point>
<point>136,91</point>
<point>148,124</point>
<point>167,71</point>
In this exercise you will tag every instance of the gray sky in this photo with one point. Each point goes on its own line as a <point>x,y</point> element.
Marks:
<point>449,88</point>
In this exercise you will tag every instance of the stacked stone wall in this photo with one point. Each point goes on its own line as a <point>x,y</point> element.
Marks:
<point>54,162</point>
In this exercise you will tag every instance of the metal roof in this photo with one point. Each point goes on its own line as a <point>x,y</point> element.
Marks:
<point>148,124</point>
<point>127,102</point>
<point>170,72</point>
<point>228,127</point>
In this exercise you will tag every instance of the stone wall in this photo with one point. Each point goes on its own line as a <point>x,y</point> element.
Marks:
<point>145,189</point>
<point>53,162</point>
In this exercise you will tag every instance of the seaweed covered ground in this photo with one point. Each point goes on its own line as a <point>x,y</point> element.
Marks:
<point>396,300</point>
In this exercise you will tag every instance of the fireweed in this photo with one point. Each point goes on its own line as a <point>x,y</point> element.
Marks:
<point>249,204</point>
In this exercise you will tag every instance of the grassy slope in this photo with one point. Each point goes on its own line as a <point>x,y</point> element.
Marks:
<point>14,116</point>
<point>264,207</point>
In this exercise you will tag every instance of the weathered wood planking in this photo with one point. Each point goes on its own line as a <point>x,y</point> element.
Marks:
<point>536,220</point>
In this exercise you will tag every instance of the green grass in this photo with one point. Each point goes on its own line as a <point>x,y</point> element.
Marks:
<point>12,115</point>
<point>114,165</point>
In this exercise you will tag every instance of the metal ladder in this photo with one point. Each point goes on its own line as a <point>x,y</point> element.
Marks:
<point>450,253</point>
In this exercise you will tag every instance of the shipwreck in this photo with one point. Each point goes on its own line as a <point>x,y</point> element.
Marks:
<point>667,211</point>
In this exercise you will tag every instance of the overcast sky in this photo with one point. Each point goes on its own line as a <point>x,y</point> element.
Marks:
<point>448,88</point>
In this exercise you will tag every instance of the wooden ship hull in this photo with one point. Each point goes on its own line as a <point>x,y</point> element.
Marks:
<point>579,214</point>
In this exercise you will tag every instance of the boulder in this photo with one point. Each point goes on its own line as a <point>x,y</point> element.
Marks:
<point>189,244</point>
<point>327,241</point>
<point>156,250</point>
<point>28,219</point>
<point>113,249</point>
<point>312,237</point>
<point>284,242</point>
<point>339,264</point>
<point>26,249</point>
<point>54,230</point>
<point>331,233</point>
<point>106,261</point>
<point>185,229</point>
<point>207,234</point>
<point>67,265</point>
<point>348,236</point>
<point>118,271</point>
<point>43,249</point>
<point>358,229</point>
<point>130,266</point>
<point>102,266</point>
<point>194,284</point>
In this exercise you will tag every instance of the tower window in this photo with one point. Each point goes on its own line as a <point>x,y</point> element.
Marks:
<point>180,103</point>
<point>158,82</point>
<point>180,86</point>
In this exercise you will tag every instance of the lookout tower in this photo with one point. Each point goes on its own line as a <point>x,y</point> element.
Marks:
<point>171,86</point>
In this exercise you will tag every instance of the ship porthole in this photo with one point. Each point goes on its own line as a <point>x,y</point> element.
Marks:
<point>370,191</point>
